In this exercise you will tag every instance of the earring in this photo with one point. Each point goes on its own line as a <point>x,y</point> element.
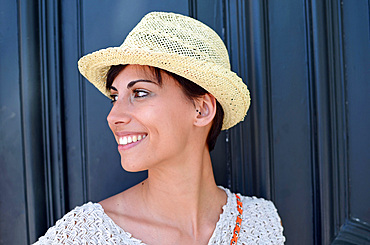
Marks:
<point>199,112</point>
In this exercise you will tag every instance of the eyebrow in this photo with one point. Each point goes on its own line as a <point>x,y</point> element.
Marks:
<point>132,83</point>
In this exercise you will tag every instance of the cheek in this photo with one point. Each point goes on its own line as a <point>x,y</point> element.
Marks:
<point>176,121</point>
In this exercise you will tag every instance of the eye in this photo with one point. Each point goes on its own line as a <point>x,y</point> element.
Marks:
<point>140,93</point>
<point>114,97</point>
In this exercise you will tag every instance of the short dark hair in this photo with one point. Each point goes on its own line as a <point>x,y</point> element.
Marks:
<point>190,89</point>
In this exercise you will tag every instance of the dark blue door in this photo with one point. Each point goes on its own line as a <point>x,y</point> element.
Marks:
<point>304,144</point>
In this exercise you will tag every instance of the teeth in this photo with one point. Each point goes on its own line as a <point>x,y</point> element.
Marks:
<point>129,139</point>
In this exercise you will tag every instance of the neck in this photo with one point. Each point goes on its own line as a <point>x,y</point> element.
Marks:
<point>184,194</point>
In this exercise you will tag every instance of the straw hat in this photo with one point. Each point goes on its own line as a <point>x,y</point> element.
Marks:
<point>181,45</point>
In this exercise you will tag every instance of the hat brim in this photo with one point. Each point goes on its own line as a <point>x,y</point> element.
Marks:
<point>225,85</point>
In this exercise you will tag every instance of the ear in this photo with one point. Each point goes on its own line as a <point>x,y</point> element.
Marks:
<point>205,110</point>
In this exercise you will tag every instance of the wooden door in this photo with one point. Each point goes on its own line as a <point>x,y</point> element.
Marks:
<point>304,144</point>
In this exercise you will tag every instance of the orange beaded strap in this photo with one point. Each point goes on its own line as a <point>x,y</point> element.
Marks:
<point>239,203</point>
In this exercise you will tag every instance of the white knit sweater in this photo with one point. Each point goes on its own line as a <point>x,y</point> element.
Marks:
<point>89,224</point>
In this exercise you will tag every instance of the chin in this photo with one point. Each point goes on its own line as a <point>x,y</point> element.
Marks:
<point>132,167</point>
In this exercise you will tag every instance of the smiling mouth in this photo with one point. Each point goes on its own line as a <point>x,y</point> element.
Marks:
<point>131,139</point>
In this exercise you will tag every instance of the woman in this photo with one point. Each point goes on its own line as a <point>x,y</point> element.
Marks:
<point>172,92</point>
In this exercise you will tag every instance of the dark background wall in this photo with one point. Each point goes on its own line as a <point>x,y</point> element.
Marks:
<point>304,144</point>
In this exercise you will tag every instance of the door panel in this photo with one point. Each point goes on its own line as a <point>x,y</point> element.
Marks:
<point>13,208</point>
<point>290,118</point>
<point>355,224</point>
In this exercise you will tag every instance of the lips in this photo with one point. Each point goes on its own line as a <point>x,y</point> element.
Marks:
<point>124,140</point>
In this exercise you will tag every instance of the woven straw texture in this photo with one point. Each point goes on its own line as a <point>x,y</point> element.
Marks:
<point>181,45</point>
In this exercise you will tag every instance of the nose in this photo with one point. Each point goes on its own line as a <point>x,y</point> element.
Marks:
<point>119,114</point>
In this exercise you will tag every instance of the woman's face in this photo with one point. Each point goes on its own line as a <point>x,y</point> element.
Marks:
<point>151,122</point>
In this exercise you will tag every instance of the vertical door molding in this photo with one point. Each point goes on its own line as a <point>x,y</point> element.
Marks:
<point>320,89</point>
<point>39,117</point>
<point>74,104</point>
<point>31,118</point>
<point>250,142</point>
<point>41,114</point>
<point>259,124</point>
<point>82,106</point>
<point>81,95</point>
<point>234,36</point>
<point>336,213</point>
<point>193,6</point>
<point>52,120</point>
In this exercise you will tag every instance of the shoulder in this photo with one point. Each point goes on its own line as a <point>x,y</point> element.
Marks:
<point>85,224</point>
<point>260,222</point>
<point>260,208</point>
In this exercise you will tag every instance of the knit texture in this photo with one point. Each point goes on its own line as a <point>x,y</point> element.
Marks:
<point>89,224</point>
